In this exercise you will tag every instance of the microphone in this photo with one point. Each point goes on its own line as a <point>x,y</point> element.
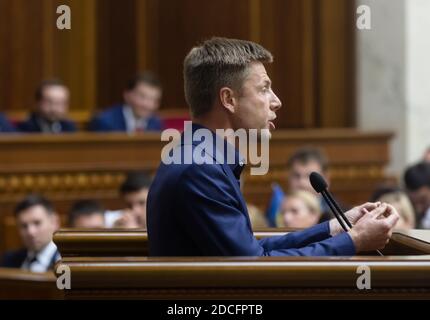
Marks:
<point>320,186</point>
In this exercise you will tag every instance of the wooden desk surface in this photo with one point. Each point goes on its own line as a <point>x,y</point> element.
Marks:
<point>134,242</point>
<point>20,284</point>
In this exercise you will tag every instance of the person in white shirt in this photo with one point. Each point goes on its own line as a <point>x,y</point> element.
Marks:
<point>134,192</point>
<point>36,222</point>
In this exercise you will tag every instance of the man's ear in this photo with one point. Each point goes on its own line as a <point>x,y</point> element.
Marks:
<point>228,99</point>
<point>56,221</point>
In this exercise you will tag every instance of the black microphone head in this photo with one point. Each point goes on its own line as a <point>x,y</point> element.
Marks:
<point>317,182</point>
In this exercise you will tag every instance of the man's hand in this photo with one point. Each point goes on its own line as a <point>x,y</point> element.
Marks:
<point>373,230</point>
<point>353,216</point>
<point>127,220</point>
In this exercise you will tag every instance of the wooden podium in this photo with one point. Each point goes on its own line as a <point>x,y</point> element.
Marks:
<point>113,264</point>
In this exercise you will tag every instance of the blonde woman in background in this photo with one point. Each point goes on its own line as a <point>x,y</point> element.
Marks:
<point>401,202</point>
<point>300,209</point>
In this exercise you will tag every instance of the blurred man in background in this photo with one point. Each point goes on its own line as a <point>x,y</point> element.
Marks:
<point>37,222</point>
<point>134,192</point>
<point>86,214</point>
<point>417,182</point>
<point>300,165</point>
<point>426,157</point>
<point>50,114</point>
<point>142,98</point>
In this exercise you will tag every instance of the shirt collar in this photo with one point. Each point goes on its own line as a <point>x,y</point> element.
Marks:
<point>131,122</point>
<point>45,255</point>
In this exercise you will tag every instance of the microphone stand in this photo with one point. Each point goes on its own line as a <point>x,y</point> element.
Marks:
<point>338,213</point>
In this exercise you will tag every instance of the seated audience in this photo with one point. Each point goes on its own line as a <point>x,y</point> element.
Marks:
<point>399,199</point>
<point>134,192</point>
<point>37,222</point>
<point>300,165</point>
<point>299,210</point>
<point>142,98</point>
<point>417,182</point>
<point>5,125</point>
<point>50,114</point>
<point>86,214</point>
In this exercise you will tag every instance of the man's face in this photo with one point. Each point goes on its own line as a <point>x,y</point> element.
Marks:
<point>54,103</point>
<point>144,99</point>
<point>298,175</point>
<point>257,104</point>
<point>420,199</point>
<point>92,221</point>
<point>136,203</point>
<point>427,156</point>
<point>36,227</point>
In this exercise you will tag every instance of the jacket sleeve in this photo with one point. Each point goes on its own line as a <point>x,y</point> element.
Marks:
<point>217,225</point>
<point>97,124</point>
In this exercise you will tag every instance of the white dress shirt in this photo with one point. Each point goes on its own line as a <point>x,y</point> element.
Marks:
<point>40,262</point>
<point>132,123</point>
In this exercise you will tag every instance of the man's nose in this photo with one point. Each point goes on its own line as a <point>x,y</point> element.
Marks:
<point>31,231</point>
<point>276,103</point>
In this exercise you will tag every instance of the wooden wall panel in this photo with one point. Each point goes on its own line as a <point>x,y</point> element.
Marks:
<point>335,69</point>
<point>22,52</point>
<point>110,40</point>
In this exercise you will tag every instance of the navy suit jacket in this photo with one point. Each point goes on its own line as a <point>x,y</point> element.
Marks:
<point>15,259</point>
<point>32,125</point>
<point>113,120</point>
<point>5,125</point>
<point>199,210</point>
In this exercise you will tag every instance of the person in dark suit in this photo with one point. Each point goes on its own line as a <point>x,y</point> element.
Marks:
<point>5,125</point>
<point>37,222</point>
<point>195,206</point>
<point>417,181</point>
<point>142,98</point>
<point>50,115</point>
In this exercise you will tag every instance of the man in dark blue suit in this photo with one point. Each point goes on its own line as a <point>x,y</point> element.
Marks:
<point>142,98</point>
<point>36,221</point>
<point>195,206</point>
<point>5,125</point>
<point>52,105</point>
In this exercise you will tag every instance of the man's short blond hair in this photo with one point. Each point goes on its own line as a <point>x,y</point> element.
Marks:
<point>217,63</point>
